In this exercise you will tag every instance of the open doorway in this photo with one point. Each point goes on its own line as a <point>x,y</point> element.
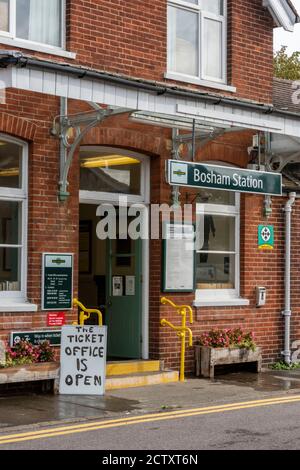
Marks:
<point>110,279</point>
<point>114,273</point>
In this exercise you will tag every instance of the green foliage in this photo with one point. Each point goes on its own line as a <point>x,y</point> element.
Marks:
<point>285,66</point>
<point>230,338</point>
<point>283,366</point>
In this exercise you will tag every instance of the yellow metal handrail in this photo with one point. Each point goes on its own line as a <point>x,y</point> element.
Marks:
<point>181,330</point>
<point>85,313</point>
<point>181,308</point>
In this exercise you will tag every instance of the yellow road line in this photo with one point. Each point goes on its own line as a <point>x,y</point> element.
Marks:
<point>46,433</point>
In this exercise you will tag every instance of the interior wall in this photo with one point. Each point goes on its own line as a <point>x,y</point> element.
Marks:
<point>88,290</point>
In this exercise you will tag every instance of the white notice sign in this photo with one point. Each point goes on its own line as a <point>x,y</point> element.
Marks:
<point>179,263</point>
<point>83,360</point>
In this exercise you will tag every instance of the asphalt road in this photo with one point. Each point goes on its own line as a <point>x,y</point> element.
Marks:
<point>272,424</point>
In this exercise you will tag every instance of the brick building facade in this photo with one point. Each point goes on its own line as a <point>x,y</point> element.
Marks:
<point>129,58</point>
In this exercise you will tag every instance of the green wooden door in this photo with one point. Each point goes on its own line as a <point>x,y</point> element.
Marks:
<point>123,302</point>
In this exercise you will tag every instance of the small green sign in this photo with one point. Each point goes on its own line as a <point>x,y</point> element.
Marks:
<point>36,337</point>
<point>265,237</point>
<point>201,175</point>
<point>57,282</point>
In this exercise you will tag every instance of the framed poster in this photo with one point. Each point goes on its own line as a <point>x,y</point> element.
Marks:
<point>130,285</point>
<point>178,258</point>
<point>57,281</point>
<point>117,286</point>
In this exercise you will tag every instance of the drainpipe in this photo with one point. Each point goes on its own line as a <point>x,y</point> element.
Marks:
<point>287,282</point>
<point>63,150</point>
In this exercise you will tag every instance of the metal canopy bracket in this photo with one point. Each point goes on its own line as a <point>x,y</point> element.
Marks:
<point>71,130</point>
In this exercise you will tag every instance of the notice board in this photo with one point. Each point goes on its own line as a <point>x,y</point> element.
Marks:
<point>178,258</point>
<point>83,360</point>
<point>57,281</point>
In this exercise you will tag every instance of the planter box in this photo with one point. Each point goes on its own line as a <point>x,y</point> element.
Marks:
<point>207,358</point>
<point>31,373</point>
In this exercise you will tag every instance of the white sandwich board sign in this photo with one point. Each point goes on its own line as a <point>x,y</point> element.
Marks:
<point>83,360</point>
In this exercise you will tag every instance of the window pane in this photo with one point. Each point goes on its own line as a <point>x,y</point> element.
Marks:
<point>213,6</point>
<point>110,173</point>
<point>4,16</point>
<point>215,271</point>
<point>212,196</point>
<point>9,223</point>
<point>10,165</point>
<point>10,269</point>
<point>219,233</point>
<point>183,41</point>
<point>40,21</point>
<point>212,51</point>
<point>195,2</point>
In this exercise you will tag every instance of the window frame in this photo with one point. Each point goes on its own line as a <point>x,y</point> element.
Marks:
<point>18,195</point>
<point>219,295</point>
<point>11,34</point>
<point>202,15</point>
<point>144,196</point>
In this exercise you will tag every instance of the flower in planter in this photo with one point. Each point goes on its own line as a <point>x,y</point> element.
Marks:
<point>46,352</point>
<point>26,353</point>
<point>228,338</point>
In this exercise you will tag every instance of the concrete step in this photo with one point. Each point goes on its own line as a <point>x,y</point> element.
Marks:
<point>131,367</point>
<point>141,379</point>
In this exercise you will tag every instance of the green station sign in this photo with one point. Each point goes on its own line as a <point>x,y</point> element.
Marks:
<point>36,337</point>
<point>200,175</point>
<point>57,281</point>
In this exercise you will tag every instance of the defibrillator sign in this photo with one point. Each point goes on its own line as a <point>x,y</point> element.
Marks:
<point>266,237</point>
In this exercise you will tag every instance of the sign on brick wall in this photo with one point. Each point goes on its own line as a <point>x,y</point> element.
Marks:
<point>56,319</point>
<point>200,175</point>
<point>265,237</point>
<point>57,281</point>
<point>36,337</point>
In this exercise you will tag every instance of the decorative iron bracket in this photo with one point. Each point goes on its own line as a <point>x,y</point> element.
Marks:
<point>76,127</point>
<point>277,163</point>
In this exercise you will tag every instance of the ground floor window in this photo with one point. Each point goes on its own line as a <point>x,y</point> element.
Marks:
<point>217,253</point>
<point>13,218</point>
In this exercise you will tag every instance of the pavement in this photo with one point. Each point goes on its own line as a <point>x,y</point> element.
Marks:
<point>30,409</point>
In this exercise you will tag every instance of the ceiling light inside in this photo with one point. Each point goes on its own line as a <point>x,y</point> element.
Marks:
<point>107,161</point>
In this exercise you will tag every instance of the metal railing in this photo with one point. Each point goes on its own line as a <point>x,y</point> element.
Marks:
<point>85,313</point>
<point>180,330</point>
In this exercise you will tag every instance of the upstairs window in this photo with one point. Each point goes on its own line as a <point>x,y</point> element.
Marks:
<point>37,21</point>
<point>197,39</point>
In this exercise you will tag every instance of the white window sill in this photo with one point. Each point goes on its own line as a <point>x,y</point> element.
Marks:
<point>17,306</point>
<point>196,81</point>
<point>221,303</point>
<point>37,47</point>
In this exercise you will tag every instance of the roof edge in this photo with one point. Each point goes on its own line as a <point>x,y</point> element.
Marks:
<point>283,13</point>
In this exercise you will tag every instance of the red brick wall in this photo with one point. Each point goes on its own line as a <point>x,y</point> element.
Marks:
<point>54,226</point>
<point>257,269</point>
<point>250,49</point>
<point>129,38</point>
